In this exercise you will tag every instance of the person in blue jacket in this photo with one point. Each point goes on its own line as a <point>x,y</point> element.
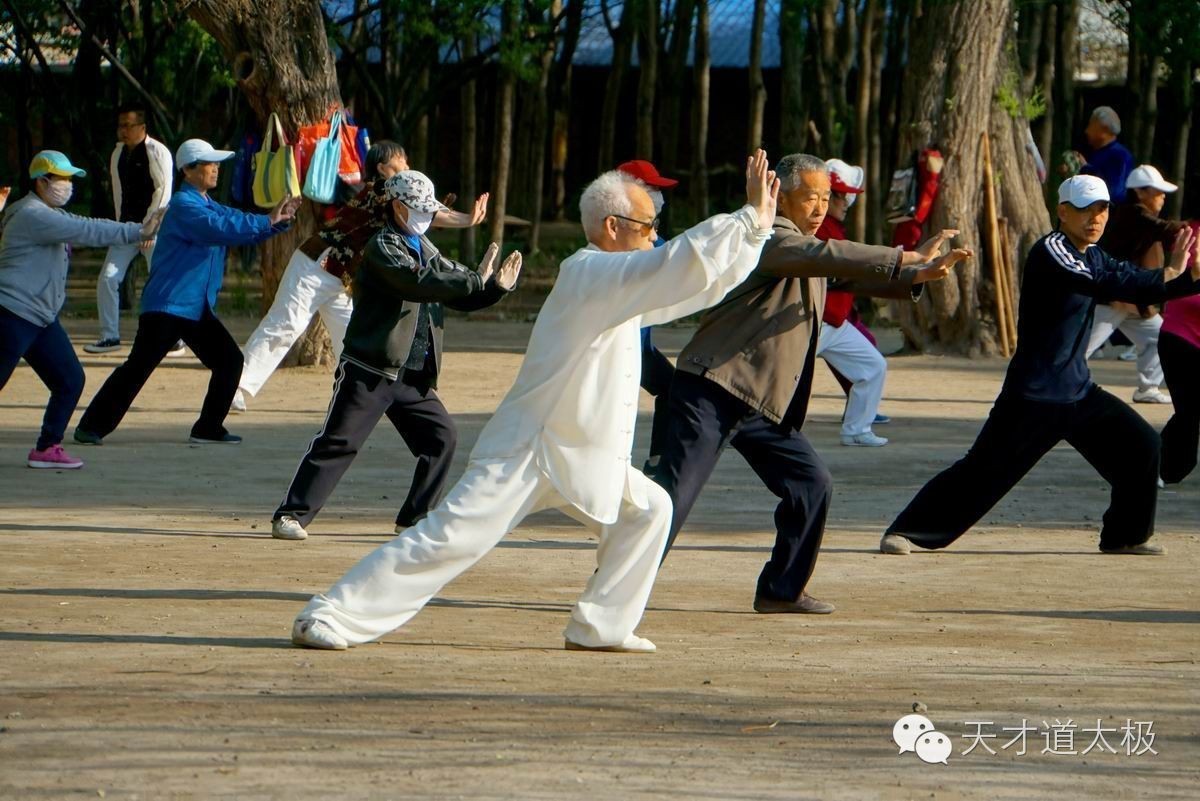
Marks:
<point>181,295</point>
<point>34,260</point>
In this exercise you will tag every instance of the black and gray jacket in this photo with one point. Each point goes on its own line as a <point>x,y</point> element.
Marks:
<point>390,288</point>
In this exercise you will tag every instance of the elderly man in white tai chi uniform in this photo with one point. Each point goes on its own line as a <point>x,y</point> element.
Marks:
<point>563,435</point>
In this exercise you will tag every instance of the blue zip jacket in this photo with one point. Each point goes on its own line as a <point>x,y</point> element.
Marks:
<point>1059,292</point>
<point>189,256</point>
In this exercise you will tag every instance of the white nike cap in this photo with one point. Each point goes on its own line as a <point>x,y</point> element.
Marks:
<point>194,150</point>
<point>1148,177</point>
<point>1082,191</point>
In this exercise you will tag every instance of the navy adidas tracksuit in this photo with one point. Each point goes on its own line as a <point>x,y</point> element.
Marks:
<point>1048,396</point>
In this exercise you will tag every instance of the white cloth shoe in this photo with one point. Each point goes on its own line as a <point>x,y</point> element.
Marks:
<point>239,403</point>
<point>312,633</point>
<point>894,544</point>
<point>288,528</point>
<point>1152,395</point>
<point>177,351</point>
<point>633,645</point>
<point>868,439</point>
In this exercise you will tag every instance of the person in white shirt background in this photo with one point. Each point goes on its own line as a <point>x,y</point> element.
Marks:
<point>563,435</point>
<point>140,169</point>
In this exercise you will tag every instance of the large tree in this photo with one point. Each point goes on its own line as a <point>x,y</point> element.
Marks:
<point>281,60</point>
<point>961,74</point>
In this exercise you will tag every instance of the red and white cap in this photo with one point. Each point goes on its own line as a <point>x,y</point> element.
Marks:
<point>845,178</point>
<point>1148,177</point>
<point>646,172</point>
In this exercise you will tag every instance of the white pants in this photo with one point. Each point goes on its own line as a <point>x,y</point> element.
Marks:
<point>304,290</point>
<point>393,582</point>
<point>108,286</point>
<point>853,355</point>
<point>1143,334</point>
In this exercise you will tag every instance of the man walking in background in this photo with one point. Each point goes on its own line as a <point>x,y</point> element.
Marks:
<point>140,171</point>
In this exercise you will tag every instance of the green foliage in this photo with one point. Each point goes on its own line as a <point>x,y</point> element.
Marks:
<point>1008,95</point>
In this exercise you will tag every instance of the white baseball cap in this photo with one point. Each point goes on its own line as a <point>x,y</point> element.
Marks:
<point>1082,191</point>
<point>194,150</point>
<point>1148,177</point>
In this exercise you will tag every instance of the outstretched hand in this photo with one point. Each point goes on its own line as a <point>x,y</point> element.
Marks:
<point>941,267</point>
<point>150,226</point>
<point>450,218</point>
<point>510,270</point>
<point>488,263</point>
<point>931,248</point>
<point>284,210</point>
<point>1186,245</point>
<point>762,188</point>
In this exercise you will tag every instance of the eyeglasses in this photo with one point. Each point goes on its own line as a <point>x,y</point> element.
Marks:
<point>122,126</point>
<point>646,227</point>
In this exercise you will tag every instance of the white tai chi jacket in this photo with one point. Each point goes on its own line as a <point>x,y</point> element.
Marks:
<point>574,402</point>
<point>162,165</point>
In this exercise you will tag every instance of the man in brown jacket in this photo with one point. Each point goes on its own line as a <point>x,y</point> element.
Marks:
<point>746,376</point>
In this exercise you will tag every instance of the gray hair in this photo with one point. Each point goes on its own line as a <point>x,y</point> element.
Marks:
<point>1107,116</point>
<point>604,197</point>
<point>791,166</point>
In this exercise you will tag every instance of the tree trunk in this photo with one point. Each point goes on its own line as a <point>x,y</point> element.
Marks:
<point>670,103</point>
<point>1066,64</point>
<point>758,89</point>
<point>468,117</point>
<point>875,154</point>
<point>958,59</point>
<point>1141,85</point>
<point>868,79</point>
<point>505,96</point>
<point>561,87</point>
<point>703,60</point>
<point>281,60</point>
<point>622,49</point>
<point>541,113</point>
<point>1183,92</point>
<point>792,36</point>
<point>835,25</point>
<point>418,147</point>
<point>647,78</point>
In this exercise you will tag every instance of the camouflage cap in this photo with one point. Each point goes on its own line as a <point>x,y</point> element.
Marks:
<point>413,189</point>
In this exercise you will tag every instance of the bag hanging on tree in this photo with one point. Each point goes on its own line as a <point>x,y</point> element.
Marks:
<point>351,165</point>
<point>275,173</point>
<point>321,182</point>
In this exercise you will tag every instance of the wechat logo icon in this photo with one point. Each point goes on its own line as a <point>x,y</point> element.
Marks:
<point>917,733</point>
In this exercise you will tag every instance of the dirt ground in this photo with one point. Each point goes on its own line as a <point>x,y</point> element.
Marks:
<point>144,651</point>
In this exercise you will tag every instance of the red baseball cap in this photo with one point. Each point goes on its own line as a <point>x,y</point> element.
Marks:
<point>645,172</point>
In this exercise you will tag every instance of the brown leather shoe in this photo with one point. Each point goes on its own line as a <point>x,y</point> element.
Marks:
<point>804,605</point>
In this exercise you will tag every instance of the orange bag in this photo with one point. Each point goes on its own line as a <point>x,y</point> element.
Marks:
<point>350,169</point>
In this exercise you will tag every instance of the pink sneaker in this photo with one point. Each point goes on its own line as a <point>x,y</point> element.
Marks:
<point>53,458</point>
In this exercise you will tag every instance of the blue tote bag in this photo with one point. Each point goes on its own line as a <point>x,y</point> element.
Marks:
<point>321,182</point>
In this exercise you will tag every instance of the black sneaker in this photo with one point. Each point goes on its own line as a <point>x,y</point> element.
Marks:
<point>85,437</point>
<point>220,439</point>
<point>103,346</point>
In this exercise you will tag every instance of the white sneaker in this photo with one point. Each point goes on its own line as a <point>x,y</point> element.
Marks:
<point>310,633</point>
<point>1130,354</point>
<point>288,528</point>
<point>867,439</point>
<point>178,350</point>
<point>239,403</point>
<point>633,645</point>
<point>1152,395</point>
<point>894,544</point>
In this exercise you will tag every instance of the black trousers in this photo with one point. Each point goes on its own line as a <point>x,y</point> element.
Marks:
<point>360,398</point>
<point>1181,435</point>
<point>1114,439</point>
<point>657,374</point>
<point>704,419</point>
<point>156,335</point>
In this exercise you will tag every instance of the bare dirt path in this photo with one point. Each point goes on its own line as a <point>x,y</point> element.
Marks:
<point>144,653</point>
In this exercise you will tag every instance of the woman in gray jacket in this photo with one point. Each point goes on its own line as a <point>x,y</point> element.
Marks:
<point>34,234</point>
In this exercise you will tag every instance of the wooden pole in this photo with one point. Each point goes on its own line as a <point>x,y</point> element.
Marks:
<point>992,243</point>
<point>1010,278</point>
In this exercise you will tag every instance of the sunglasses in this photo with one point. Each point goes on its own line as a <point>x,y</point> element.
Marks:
<point>645,227</point>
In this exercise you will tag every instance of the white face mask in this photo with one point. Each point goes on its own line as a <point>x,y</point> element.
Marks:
<point>58,193</point>
<point>418,221</point>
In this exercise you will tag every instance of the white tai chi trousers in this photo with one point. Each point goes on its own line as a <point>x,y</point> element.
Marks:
<point>1143,334</point>
<point>853,355</point>
<point>304,290</point>
<point>108,286</point>
<point>393,582</point>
